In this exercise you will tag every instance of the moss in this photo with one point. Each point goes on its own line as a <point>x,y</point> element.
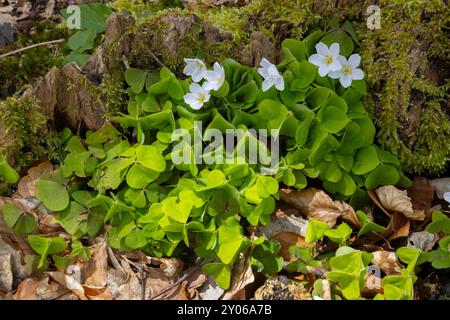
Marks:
<point>408,93</point>
<point>24,133</point>
<point>19,69</point>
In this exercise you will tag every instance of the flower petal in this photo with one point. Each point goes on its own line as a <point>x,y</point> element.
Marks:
<point>323,70</point>
<point>196,88</point>
<point>346,81</point>
<point>315,59</point>
<point>322,49</point>
<point>342,60</point>
<point>266,85</point>
<point>358,74</point>
<point>334,49</point>
<point>354,60</point>
<point>265,63</point>
<point>198,75</point>
<point>279,84</point>
<point>335,74</point>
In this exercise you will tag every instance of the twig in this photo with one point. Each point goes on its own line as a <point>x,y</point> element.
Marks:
<point>31,47</point>
<point>156,59</point>
<point>143,282</point>
<point>185,276</point>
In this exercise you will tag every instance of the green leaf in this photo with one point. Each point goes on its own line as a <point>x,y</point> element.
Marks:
<point>11,214</point>
<point>316,230</point>
<point>296,47</point>
<point>366,160</point>
<point>439,223</point>
<point>340,234</point>
<point>345,41</point>
<point>70,217</point>
<point>135,239</point>
<point>151,157</point>
<point>230,240</point>
<point>135,78</point>
<point>140,176</point>
<point>382,175</point>
<point>78,58</point>
<point>333,119</point>
<point>306,75</point>
<point>93,16</point>
<point>7,173</point>
<point>82,40</point>
<point>220,272</point>
<point>367,225</point>
<point>52,194</point>
<point>26,224</point>
<point>46,245</point>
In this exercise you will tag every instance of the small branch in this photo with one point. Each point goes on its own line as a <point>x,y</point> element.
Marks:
<point>156,59</point>
<point>185,276</point>
<point>31,47</point>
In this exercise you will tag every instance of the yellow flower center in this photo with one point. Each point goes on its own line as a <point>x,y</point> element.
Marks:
<point>198,64</point>
<point>328,59</point>
<point>201,97</point>
<point>346,70</point>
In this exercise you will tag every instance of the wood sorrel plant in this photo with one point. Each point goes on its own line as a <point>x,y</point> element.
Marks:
<point>128,180</point>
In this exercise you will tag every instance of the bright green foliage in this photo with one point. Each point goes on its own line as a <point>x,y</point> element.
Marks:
<point>440,257</point>
<point>7,173</point>
<point>45,246</point>
<point>348,268</point>
<point>265,258</point>
<point>165,207</point>
<point>367,224</point>
<point>302,258</point>
<point>93,17</point>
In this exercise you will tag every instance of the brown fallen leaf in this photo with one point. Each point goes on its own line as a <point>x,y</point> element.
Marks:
<point>68,282</point>
<point>26,187</point>
<point>372,285</point>
<point>39,289</point>
<point>395,200</point>
<point>316,204</point>
<point>98,266</point>
<point>288,230</point>
<point>387,261</point>
<point>398,227</point>
<point>421,193</point>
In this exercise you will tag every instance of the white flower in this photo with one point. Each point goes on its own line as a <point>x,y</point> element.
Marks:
<point>195,68</point>
<point>270,75</point>
<point>349,70</point>
<point>197,97</point>
<point>326,58</point>
<point>447,196</point>
<point>214,79</point>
